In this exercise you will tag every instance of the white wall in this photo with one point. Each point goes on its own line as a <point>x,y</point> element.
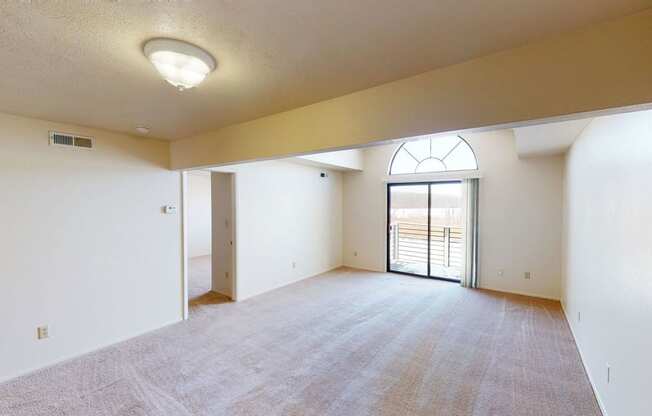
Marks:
<point>608,257</point>
<point>199,213</point>
<point>285,213</point>
<point>520,215</point>
<point>84,245</point>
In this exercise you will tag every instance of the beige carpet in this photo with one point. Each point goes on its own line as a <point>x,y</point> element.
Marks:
<point>343,343</point>
<point>199,276</point>
<point>199,285</point>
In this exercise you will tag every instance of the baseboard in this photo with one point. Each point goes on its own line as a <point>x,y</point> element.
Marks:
<point>366,269</point>
<point>262,292</point>
<point>586,369</point>
<point>532,295</point>
<point>75,356</point>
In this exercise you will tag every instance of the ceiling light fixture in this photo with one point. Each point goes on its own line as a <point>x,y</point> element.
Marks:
<point>142,129</point>
<point>180,63</point>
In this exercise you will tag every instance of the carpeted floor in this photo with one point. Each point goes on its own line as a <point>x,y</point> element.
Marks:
<point>199,276</point>
<point>342,343</point>
<point>199,285</point>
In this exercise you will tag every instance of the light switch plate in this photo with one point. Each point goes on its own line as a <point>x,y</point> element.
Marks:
<point>170,209</point>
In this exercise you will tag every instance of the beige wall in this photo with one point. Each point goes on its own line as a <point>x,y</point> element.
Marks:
<point>223,225</point>
<point>520,215</point>
<point>285,213</point>
<point>199,214</point>
<point>608,257</point>
<point>84,245</point>
<point>605,66</point>
<point>342,160</point>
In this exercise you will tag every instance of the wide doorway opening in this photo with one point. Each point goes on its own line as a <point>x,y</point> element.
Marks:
<point>210,210</point>
<point>426,229</point>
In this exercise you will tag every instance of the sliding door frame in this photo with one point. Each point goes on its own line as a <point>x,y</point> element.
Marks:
<point>388,220</point>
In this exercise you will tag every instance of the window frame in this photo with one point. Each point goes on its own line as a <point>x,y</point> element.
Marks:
<point>428,137</point>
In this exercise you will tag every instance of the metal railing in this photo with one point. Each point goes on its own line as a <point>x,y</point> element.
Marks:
<point>409,243</point>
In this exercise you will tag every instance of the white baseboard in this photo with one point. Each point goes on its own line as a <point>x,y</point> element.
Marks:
<point>586,369</point>
<point>366,269</point>
<point>240,298</point>
<point>532,295</point>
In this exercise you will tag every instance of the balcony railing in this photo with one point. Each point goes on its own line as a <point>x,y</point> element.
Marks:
<point>409,243</point>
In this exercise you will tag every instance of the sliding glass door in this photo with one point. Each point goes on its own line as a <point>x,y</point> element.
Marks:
<point>408,229</point>
<point>426,229</point>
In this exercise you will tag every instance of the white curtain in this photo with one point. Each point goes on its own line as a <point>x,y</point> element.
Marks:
<point>470,277</point>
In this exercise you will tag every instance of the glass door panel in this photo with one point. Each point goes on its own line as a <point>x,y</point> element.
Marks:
<point>447,219</point>
<point>408,228</point>
<point>426,229</point>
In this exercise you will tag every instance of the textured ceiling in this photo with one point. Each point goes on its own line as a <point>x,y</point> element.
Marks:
<point>81,61</point>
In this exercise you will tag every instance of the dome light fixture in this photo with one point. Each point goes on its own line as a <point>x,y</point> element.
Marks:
<point>180,63</point>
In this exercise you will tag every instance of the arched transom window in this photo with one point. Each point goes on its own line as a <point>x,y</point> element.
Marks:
<point>433,154</point>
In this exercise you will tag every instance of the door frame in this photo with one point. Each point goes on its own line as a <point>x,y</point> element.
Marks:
<point>388,222</point>
<point>184,251</point>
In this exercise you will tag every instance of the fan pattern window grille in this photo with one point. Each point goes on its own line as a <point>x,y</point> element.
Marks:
<point>433,154</point>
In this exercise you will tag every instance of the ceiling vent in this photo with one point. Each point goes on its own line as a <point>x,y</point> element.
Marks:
<point>72,141</point>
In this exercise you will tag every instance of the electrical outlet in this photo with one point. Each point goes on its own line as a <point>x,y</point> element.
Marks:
<point>42,332</point>
<point>226,274</point>
<point>609,374</point>
<point>355,254</point>
<point>294,264</point>
<point>527,275</point>
<point>579,317</point>
<point>501,273</point>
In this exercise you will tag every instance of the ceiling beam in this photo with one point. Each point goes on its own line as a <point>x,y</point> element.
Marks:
<point>605,66</point>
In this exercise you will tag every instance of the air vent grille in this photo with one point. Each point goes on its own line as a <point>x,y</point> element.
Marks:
<point>72,141</point>
<point>63,140</point>
<point>83,142</point>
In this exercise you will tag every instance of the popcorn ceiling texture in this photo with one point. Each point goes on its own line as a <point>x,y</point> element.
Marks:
<point>81,62</point>
<point>343,343</point>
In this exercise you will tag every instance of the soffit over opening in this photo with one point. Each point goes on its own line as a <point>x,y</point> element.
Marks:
<point>548,139</point>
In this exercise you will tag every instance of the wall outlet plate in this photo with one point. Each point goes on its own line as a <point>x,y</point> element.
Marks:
<point>527,275</point>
